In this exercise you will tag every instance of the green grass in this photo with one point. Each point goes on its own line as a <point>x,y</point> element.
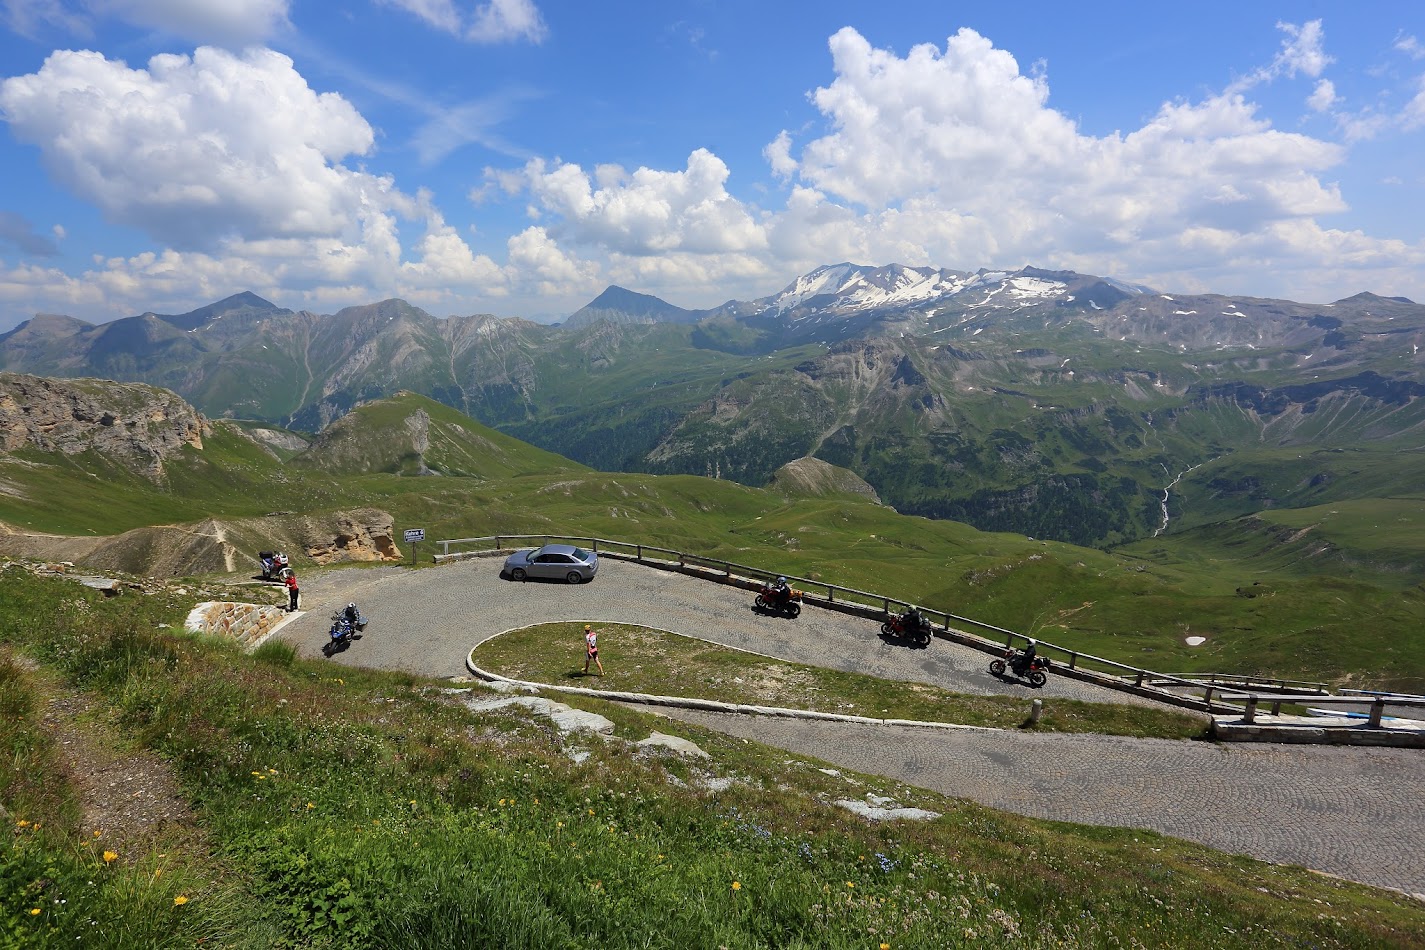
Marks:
<point>644,660</point>
<point>351,808</point>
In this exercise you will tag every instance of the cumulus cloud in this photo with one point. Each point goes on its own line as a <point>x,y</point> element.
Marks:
<point>498,21</point>
<point>956,157</point>
<point>17,231</point>
<point>646,211</point>
<point>198,150</point>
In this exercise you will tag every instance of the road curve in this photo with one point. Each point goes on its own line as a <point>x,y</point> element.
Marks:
<point>1353,812</point>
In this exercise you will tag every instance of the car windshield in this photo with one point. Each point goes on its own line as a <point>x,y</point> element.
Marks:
<point>580,554</point>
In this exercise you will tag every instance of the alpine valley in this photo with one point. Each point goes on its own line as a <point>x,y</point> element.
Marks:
<point>1048,403</point>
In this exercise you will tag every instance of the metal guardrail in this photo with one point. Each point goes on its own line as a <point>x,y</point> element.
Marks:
<point>1096,669</point>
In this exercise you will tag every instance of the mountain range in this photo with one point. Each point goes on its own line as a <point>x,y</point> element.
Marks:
<point>1048,403</point>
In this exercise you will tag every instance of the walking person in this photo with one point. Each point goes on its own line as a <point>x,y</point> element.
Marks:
<point>292,591</point>
<point>591,650</point>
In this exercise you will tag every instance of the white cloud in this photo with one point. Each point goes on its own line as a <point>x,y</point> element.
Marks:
<point>501,21</point>
<point>26,17</point>
<point>498,21</point>
<point>647,211</point>
<point>223,22</point>
<point>1323,97</point>
<point>198,151</point>
<point>1410,46</point>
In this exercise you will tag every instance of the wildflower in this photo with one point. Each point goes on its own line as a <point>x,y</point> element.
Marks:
<point>850,884</point>
<point>591,811</point>
<point>110,857</point>
<point>181,899</point>
<point>502,802</point>
<point>97,832</point>
<point>34,911</point>
<point>22,823</point>
<point>311,805</point>
<point>885,946</point>
<point>559,824</point>
<point>737,885</point>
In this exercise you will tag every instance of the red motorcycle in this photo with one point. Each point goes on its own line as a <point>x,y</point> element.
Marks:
<point>1022,665</point>
<point>781,600</point>
<point>910,624</point>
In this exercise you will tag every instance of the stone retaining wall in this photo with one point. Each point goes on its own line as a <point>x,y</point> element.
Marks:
<point>245,623</point>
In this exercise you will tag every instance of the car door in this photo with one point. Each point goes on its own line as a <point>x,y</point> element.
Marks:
<point>549,565</point>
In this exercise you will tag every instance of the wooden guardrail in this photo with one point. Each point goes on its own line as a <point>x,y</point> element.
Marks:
<point>1249,681</point>
<point>1251,702</point>
<point>1165,687</point>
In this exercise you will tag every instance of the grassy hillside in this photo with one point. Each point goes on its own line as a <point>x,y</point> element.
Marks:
<point>374,810</point>
<point>1282,593</point>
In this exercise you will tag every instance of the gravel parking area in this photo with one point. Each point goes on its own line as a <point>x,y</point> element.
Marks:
<point>1353,812</point>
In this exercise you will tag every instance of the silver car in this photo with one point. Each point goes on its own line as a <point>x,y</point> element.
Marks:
<point>562,562</point>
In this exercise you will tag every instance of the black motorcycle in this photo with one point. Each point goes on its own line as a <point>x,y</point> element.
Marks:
<point>780,600</point>
<point>911,625</point>
<point>1023,666</point>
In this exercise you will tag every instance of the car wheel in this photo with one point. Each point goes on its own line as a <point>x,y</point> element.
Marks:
<point>517,574</point>
<point>574,577</point>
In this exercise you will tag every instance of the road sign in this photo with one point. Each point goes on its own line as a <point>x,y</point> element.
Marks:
<point>415,534</point>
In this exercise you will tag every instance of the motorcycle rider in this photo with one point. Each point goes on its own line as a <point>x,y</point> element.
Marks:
<point>780,590</point>
<point>1025,660</point>
<point>351,615</point>
<point>914,620</point>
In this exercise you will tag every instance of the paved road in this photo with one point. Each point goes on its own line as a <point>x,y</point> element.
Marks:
<point>1353,812</point>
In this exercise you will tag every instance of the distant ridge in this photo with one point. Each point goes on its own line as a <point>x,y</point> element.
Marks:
<point>619,305</point>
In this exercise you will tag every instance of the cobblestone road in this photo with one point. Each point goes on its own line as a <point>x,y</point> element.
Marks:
<point>1347,811</point>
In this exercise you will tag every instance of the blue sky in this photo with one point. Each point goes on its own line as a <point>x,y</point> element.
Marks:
<point>517,156</point>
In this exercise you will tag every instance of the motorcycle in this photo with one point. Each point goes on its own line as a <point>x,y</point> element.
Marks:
<point>341,635</point>
<point>913,626</point>
<point>275,566</point>
<point>1023,667</point>
<point>783,600</point>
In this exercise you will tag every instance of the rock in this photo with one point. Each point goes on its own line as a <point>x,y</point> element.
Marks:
<point>677,744</point>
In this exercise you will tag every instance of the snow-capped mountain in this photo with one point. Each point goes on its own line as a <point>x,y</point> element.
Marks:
<point>846,289</point>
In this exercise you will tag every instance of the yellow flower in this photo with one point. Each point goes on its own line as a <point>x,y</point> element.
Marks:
<point>258,774</point>
<point>311,805</point>
<point>737,885</point>
<point>502,802</point>
<point>34,911</point>
<point>180,900</point>
<point>591,811</point>
<point>885,946</point>
<point>850,884</point>
<point>97,832</point>
<point>110,857</point>
<point>22,823</point>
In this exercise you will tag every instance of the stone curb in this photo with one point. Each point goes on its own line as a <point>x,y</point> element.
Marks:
<point>709,705</point>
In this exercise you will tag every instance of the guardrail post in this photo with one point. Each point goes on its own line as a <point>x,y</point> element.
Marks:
<point>1377,710</point>
<point>1139,681</point>
<point>1207,698</point>
<point>1249,716</point>
<point>1073,661</point>
<point>639,549</point>
<point>1277,708</point>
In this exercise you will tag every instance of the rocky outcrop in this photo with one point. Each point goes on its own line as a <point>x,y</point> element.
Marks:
<point>218,547</point>
<point>137,425</point>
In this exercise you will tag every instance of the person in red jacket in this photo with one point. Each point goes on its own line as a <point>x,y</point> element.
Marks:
<point>292,591</point>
